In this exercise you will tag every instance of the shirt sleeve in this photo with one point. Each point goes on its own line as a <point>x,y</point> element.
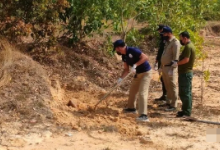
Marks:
<point>176,50</point>
<point>160,50</point>
<point>136,52</point>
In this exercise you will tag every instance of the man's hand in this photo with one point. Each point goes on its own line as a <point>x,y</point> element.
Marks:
<point>133,68</point>
<point>160,71</point>
<point>156,66</point>
<point>174,64</point>
<point>119,80</point>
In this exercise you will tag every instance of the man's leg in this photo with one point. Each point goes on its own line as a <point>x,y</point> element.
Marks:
<point>143,93</point>
<point>164,95</point>
<point>163,88</point>
<point>133,92</point>
<point>173,87</point>
<point>185,92</point>
<point>166,79</point>
<point>170,84</point>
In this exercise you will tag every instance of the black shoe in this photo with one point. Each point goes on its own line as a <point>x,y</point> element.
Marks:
<point>179,114</point>
<point>164,105</point>
<point>129,110</point>
<point>170,108</point>
<point>162,98</point>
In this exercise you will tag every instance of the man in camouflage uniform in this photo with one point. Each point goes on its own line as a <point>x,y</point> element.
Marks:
<point>169,60</point>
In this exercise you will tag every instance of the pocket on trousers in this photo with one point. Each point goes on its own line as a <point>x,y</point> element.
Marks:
<point>184,81</point>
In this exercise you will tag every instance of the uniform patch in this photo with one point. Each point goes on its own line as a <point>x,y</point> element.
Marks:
<point>130,56</point>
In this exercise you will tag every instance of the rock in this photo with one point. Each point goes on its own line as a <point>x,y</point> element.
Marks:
<point>69,134</point>
<point>72,103</point>
<point>76,128</point>
<point>114,119</point>
<point>33,121</point>
<point>155,106</point>
<point>25,83</point>
<point>145,140</point>
<point>138,133</point>
<point>90,108</point>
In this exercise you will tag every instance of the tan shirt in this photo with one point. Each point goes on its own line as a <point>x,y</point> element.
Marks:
<point>171,51</point>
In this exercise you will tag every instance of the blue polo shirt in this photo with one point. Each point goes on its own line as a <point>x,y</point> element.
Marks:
<point>132,56</point>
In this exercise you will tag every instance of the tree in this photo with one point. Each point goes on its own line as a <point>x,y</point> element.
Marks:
<point>19,18</point>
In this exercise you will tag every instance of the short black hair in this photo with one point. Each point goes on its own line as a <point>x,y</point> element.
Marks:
<point>118,43</point>
<point>185,34</point>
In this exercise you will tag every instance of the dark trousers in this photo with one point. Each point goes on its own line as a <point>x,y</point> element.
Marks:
<point>163,87</point>
<point>161,79</point>
<point>185,92</point>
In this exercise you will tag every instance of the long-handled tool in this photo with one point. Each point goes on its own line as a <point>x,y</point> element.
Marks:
<point>114,87</point>
<point>192,119</point>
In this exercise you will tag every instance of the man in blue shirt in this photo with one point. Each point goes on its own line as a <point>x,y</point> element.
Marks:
<point>140,85</point>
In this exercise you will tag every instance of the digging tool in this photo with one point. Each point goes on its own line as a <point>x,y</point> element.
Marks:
<point>114,87</point>
<point>192,119</point>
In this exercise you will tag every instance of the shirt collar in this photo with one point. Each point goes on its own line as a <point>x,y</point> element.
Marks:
<point>126,49</point>
<point>171,38</point>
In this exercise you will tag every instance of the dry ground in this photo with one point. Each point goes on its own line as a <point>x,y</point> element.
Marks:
<point>80,128</point>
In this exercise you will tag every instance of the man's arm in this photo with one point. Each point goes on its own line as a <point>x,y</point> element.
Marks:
<point>160,51</point>
<point>125,71</point>
<point>176,50</point>
<point>143,58</point>
<point>183,61</point>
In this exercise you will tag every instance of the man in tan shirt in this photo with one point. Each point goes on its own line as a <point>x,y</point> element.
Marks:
<point>169,65</point>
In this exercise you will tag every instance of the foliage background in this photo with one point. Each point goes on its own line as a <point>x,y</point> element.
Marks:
<point>46,19</point>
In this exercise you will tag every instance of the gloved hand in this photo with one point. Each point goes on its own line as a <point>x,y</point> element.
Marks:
<point>133,68</point>
<point>160,71</point>
<point>119,80</point>
<point>156,66</point>
<point>174,64</point>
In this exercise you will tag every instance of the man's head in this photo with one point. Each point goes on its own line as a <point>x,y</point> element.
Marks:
<point>184,38</point>
<point>160,28</point>
<point>167,33</point>
<point>119,47</point>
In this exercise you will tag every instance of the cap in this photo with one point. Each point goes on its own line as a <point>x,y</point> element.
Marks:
<point>160,26</point>
<point>167,29</point>
<point>118,43</point>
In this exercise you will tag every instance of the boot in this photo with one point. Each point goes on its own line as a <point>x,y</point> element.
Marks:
<point>162,98</point>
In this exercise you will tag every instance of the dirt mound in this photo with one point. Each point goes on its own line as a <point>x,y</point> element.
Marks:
<point>211,29</point>
<point>25,88</point>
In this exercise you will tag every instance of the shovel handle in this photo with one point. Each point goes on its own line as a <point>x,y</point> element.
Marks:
<point>114,87</point>
<point>192,119</point>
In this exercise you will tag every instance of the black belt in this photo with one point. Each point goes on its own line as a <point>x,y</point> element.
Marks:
<point>166,65</point>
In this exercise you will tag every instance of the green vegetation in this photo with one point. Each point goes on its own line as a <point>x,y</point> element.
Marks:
<point>46,19</point>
